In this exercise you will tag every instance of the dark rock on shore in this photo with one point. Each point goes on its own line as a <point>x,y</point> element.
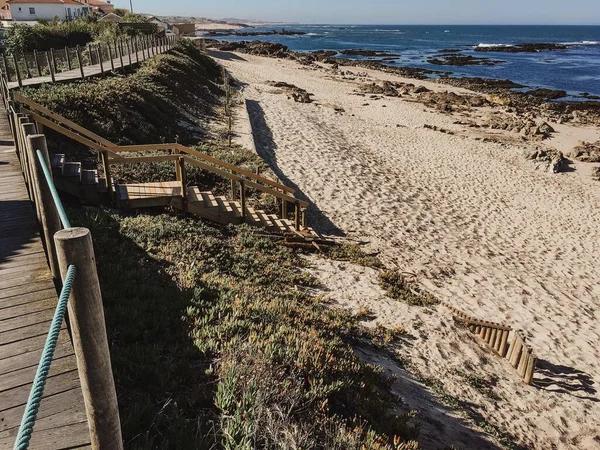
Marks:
<point>298,94</point>
<point>462,60</point>
<point>522,48</point>
<point>548,94</point>
<point>486,85</point>
<point>251,47</point>
<point>282,32</point>
<point>587,152</point>
<point>360,52</point>
<point>450,50</point>
<point>596,173</point>
<point>590,96</point>
<point>549,159</point>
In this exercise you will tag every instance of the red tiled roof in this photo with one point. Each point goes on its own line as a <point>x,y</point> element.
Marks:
<point>62,2</point>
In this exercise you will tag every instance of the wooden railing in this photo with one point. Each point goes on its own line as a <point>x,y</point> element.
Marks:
<point>241,179</point>
<point>496,336</point>
<point>115,55</point>
<point>66,247</point>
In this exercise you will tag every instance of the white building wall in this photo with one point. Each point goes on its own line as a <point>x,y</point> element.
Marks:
<point>45,11</point>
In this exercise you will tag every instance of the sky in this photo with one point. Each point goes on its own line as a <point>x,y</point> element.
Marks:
<point>404,12</point>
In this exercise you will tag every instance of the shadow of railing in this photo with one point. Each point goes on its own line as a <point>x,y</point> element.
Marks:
<point>565,380</point>
<point>18,229</point>
<point>267,149</point>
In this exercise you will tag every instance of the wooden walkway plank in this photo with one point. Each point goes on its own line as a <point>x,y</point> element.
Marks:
<point>27,304</point>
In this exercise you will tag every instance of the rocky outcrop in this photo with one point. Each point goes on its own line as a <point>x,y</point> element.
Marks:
<point>525,126</point>
<point>361,52</point>
<point>548,159</point>
<point>587,152</point>
<point>298,94</point>
<point>451,59</point>
<point>548,94</point>
<point>596,173</point>
<point>282,32</point>
<point>521,48</point>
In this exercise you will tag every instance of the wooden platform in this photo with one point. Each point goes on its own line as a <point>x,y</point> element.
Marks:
<point>27,303</point>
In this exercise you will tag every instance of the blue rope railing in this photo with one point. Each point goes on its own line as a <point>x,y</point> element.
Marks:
<point>39,382</point>
<point>61,211</point>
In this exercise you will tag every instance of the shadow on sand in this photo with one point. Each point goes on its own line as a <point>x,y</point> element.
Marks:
<point>267,149</point>
<point>565,380</point>
<point>226,56</point>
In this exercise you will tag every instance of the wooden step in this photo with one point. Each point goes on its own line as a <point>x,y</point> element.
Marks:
<point>89,177</point>
<point>252,217</point>
<point>265,220</point>
<point>147,195</point>
<point>72,170</point>
<point>237,208</point>
<point>57,162</point>
<point>209,199</point>
<point>224,205</point>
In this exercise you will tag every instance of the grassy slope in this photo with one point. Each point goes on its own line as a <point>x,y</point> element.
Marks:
<point>217,344</point>
<point>215,341</point>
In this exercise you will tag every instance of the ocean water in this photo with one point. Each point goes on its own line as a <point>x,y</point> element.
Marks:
<point>576,70</point>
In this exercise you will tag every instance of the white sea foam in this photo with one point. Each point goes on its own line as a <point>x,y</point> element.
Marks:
<point>494,45</point>
<point>581,43</point>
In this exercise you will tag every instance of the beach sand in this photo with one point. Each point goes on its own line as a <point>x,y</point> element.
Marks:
<point>479,226</point>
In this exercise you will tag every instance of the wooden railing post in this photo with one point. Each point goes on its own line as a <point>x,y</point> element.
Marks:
<point>183,181</point>
<point>119,49</point>
<point>129,51</point>
<point>50,220</point>
<point>99,55</point>
<point>284,209</point>
<point>106,166</point>
<point>136,49</point>
<point>80,59</point>
<point>20,121</point>
<point>5,59</point>
<point>68,55</point>
<point>28,129</point>
<point>111,57</point>
<point>37,62</point>
<point>53,56</point>
<point>19,79</point>
<point>243,198</point>
<point>50,67</point>
<point>304,220</point>
<point>86,316</point>
<point>297,217</point>
<point>234,195</point>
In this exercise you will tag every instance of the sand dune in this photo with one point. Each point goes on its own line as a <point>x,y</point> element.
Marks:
<point>479,226</point>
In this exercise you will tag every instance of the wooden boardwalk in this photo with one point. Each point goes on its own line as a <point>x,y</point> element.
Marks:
<point>27,302</point>
<point>92,70</point>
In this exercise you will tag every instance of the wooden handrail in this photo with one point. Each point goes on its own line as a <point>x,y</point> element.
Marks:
<point>66,132</point>
<point>144,159</point>
<point>66,122</point>
<point>205,157</point>
<point>92,140</point>
<point>250,184</point>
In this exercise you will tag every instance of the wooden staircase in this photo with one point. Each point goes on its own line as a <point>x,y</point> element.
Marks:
<point>90,188</point>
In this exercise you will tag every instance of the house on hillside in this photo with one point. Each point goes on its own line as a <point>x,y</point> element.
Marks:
<point>111,17</point>
<point>159,23</point>
<point>184,29</point>
<point>4,10</point>
<point>105,7</point>
<point>32,10</point>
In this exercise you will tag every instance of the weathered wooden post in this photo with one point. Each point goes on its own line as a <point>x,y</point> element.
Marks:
<point>69,62</point>
<point>136,49</point>
<point>50,67</point>
<point>90,54</point>
<point>106,166</point>
<point>284,209</point>
<point>37,63</point>
<point>86,316</point>
<point>243,198</point>
<point>234,195</point>
<point>183,181</point>
<point>111,57</point>
<point>27,128</point>
<point>129,51</point>
<point>49,214</point>
<point>304,220</point>
<point>297,217</point>
<point>120,50</point>
<point>5,59</point>
<point>99,55</point>
<point>22,120</point>
<point>54,65</point>
<point>80,60</point>
<point>19,79</point>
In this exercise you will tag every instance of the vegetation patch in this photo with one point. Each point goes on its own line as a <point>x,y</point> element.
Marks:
<point>216,343</point>
<point>400,288</point>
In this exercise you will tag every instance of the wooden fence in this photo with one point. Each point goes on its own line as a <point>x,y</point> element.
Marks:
<point>115,55</point>
<point>496,336</point>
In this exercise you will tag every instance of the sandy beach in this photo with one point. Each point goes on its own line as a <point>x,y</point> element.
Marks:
<point>479,225</point>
